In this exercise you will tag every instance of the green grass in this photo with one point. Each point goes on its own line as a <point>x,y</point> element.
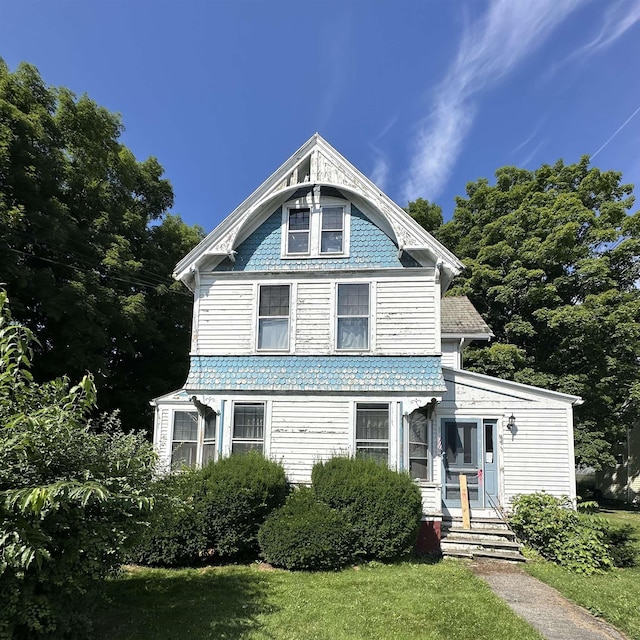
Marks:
<point>614,596</point>
<point>407,600</point>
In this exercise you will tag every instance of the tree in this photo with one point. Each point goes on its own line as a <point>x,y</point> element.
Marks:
<point>71,498</point>
<point>87,246</point>
<point>553,264</point>
<point>425,213</point>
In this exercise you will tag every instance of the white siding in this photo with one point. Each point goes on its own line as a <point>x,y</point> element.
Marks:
<point>313,318</point>
<point>537,456</point>
<point>226,317</point>
<point>305,431</point>
<point>431,498</point>
<point>406,313</point>
<point>451,354</point>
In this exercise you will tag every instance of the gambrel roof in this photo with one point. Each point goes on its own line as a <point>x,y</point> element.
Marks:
<point>317,163</point>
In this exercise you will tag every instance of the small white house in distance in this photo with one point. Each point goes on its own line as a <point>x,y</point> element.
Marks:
<point>320,329</point>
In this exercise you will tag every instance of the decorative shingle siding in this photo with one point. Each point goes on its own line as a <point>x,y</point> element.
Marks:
<point>369,247</point>
<point>355,374</point>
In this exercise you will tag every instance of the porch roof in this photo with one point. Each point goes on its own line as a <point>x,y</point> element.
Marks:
<point>342,373</point>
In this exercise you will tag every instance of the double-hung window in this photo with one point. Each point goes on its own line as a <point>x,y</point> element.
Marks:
<point>194,439</point>
<point>248,427</point>
<point>299,231</point>
<point>332,230</point>
<point>353,317</point>
<point>316,227</point>
<point>372,430</point>
<point>273,317</point>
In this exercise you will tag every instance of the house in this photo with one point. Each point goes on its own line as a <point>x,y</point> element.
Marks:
<point>320,329</point>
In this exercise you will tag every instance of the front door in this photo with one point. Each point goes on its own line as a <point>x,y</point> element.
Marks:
<point>469,448</point>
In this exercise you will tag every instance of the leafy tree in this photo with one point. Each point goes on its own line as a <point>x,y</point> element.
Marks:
<point>71,498</point>
<point>553,264</point>
<point>87,246</point>
<point>425,213</point>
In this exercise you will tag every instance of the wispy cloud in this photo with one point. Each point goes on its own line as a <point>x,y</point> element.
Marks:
<point>489,49</point>
<point>380,172</point>
<point>337,70</point>
<point>532,154</point>
<point>618,19</point>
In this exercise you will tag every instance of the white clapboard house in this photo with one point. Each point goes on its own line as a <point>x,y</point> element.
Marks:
<point>320,329</point>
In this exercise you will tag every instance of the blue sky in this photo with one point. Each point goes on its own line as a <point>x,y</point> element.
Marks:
<point>422,96</point>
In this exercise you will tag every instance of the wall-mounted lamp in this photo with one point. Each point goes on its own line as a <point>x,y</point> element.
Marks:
<point>511,423</point>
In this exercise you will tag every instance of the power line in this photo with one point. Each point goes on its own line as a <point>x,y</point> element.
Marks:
<point>130,281</point>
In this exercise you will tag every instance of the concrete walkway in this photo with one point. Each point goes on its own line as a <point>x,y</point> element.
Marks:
<point>542,606</point>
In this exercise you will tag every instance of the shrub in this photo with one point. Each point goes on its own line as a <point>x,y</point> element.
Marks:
<point>236,496</point>
<point>71,497</point>
<point>306,534</point>
<point>552,527</point>
<point>382,507</point>
<point>175,535</point>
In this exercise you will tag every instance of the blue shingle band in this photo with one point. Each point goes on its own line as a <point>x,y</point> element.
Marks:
<point>407,374</point>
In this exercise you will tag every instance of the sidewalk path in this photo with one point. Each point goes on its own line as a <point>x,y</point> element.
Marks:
<point>555,617</point>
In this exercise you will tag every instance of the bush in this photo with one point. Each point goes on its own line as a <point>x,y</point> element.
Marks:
<point>552,527</point>
<point>175,535</point>
<point>619,539</point>
<point>72,497</point>
<point>236,496</point>
<point>382,507</point>
<point>306,534</point>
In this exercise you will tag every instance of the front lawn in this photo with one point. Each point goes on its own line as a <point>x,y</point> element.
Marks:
<point>407,600</point>
<point>614,596</point>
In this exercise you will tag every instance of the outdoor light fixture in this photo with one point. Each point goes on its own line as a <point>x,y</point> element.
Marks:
<point>511,423</point>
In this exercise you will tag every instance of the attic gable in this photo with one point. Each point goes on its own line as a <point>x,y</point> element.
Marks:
<point>317,163</point>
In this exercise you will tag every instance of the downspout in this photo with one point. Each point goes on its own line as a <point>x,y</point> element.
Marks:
<point>401,444</point>
<point>221,427</point>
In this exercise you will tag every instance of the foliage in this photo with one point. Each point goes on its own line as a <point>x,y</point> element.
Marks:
<point>71,499</point>
<point>613,595</point>
<point>87,247</point>
<point>552,527</point>
<point>403,601</point>
<point>425,213</point>
<point>305,534</point>
<point>236,496</point>
<point>213,513</point>
<point>175,535</point>
<point>552,265</point>
<point>383,507</point>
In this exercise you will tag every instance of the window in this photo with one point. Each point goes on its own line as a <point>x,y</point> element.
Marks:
<point>248,427</point>
<point>299,228</point>
<point>194,441</point>
<point>372,431</point>
<point>273,317</point>
<point>315,226</point>
<point>353,317</point>
<point>332,233</point>
<point>418,448</point>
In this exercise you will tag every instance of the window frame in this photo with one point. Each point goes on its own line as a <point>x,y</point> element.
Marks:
<point>315,203</point>
<point>369,317</point>
<point>427,443</point>
<point>259,317</point>
<point>297,254</point>
<point>201,441</point>
<point>322,230</point>
<point>233,439</point>
<point>360,443</point>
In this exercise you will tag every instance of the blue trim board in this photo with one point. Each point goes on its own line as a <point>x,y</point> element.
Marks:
<point>341,373</point>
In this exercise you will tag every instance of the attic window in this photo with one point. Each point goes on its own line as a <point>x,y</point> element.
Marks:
<point>298,231</point>
<point>315,227</point>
